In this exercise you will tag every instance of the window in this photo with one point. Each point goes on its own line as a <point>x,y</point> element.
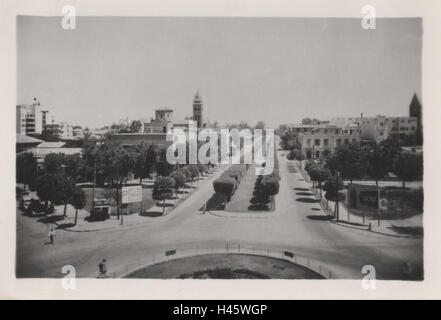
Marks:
<point>338,142</point>
<point>337,131</point>
<point>317,154</point>
<point>316,142</point>
<point>325,142</point>
<point>308,142</point>
<point>346,141</point>
<point>326,131</point>
<point>412,128</point>
<point>402,121</point>
<point>381,133</point>
<point>354,140</point>
<point>381,124</point>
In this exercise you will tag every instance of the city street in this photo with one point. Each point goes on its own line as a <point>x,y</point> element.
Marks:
<point>298,225</point>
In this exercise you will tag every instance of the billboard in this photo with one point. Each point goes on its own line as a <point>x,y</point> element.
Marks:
<point>130,194</point>
<point>363,197</point>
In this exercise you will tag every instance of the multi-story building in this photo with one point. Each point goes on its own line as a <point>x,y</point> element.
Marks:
<point>30,119</point>
<point>380,127</point>
<point>162,123</point>
<point>317,141</point>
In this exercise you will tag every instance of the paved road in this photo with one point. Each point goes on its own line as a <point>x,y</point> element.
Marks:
<point>342,249</point>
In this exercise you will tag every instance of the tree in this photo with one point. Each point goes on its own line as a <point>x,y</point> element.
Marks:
<point>115,163</point>
<point>391,149</point>
<point>201,168</point>
<point>53,163</point>
<point>288,141</point>
<point>270,186</point>
<point>194,172</point>
<point>179,178</point>
<point>26,168</point>
<point>260,125</point>
<point>295,154</point>
<point>145,160</point>
<point>376,162</point>
<point>74,167</point>
<point>49,187</point>
<point>163,168</point>
<point>225,185</point>
<point>408,166</point>
<point>332,188</point>
<point>350,161</point>
<point>78,201</point>
<point>319,174</point>
<point>162,189</point>
<point>66,190</point>
<point>135,126</point>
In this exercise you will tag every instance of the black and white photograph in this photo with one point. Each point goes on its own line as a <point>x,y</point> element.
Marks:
<point>220,147</point>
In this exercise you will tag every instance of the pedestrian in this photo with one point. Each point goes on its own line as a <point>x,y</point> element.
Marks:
<point>103,269</point>
<point>52,235</point>
<point>204,208</point>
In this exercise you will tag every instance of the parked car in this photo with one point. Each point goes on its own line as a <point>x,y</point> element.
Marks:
<point>36,206</point>
<point>25,202</point>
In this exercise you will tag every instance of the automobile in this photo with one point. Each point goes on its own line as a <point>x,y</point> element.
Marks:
<point>25,202</point>
<point>36,206</point>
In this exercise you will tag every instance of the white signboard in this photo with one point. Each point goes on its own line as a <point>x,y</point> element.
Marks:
<point>131,194</point>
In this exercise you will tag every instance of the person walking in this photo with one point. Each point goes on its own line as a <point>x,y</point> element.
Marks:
<point>204,208</point>
<point>103,269</point>
<point>52,236</point>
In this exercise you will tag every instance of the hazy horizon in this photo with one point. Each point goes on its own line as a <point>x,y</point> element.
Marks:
<point>278,70</point>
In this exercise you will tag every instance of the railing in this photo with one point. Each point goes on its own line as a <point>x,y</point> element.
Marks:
<point>178,252</point>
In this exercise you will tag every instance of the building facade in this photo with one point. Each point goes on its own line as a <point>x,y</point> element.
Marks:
<point>318,141</point>
<point>29,118</point>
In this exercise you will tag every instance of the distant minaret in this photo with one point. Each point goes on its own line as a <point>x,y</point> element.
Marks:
<point>198,109</point>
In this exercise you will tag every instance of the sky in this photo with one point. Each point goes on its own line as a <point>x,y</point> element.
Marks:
<point>278,70</point>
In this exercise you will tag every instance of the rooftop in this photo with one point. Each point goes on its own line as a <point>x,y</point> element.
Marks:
<point>21,138</point>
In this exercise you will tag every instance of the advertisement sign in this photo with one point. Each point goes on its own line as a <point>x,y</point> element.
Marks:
<point>131,194</point>
<point>363,197</point>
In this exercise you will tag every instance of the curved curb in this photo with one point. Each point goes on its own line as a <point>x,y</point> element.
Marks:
<point>377,232</point>
<point>282,254</point>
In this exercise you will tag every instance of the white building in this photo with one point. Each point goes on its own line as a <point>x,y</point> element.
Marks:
<point>30,119</point>
<point>318,140</point>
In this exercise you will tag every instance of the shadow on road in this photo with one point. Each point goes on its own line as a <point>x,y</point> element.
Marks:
<point>304,194</point>
<point>307,200</point>
<point>151,214</point>
<point>216,202</point>
<point>320,217</point>
<point>301,189</point>
<point>414,231</point>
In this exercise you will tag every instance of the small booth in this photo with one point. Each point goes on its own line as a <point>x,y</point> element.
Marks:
<point>101,210</point>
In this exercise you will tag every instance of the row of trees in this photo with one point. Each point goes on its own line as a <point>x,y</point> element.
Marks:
<point>266,187</point>
<point>164,185</point>
<point>108,164</point>
<point>228,182</point>
<point>363,160</point>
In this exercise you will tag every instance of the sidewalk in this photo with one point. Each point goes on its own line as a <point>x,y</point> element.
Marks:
<point>408,228</point>
<point>152,214</point>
